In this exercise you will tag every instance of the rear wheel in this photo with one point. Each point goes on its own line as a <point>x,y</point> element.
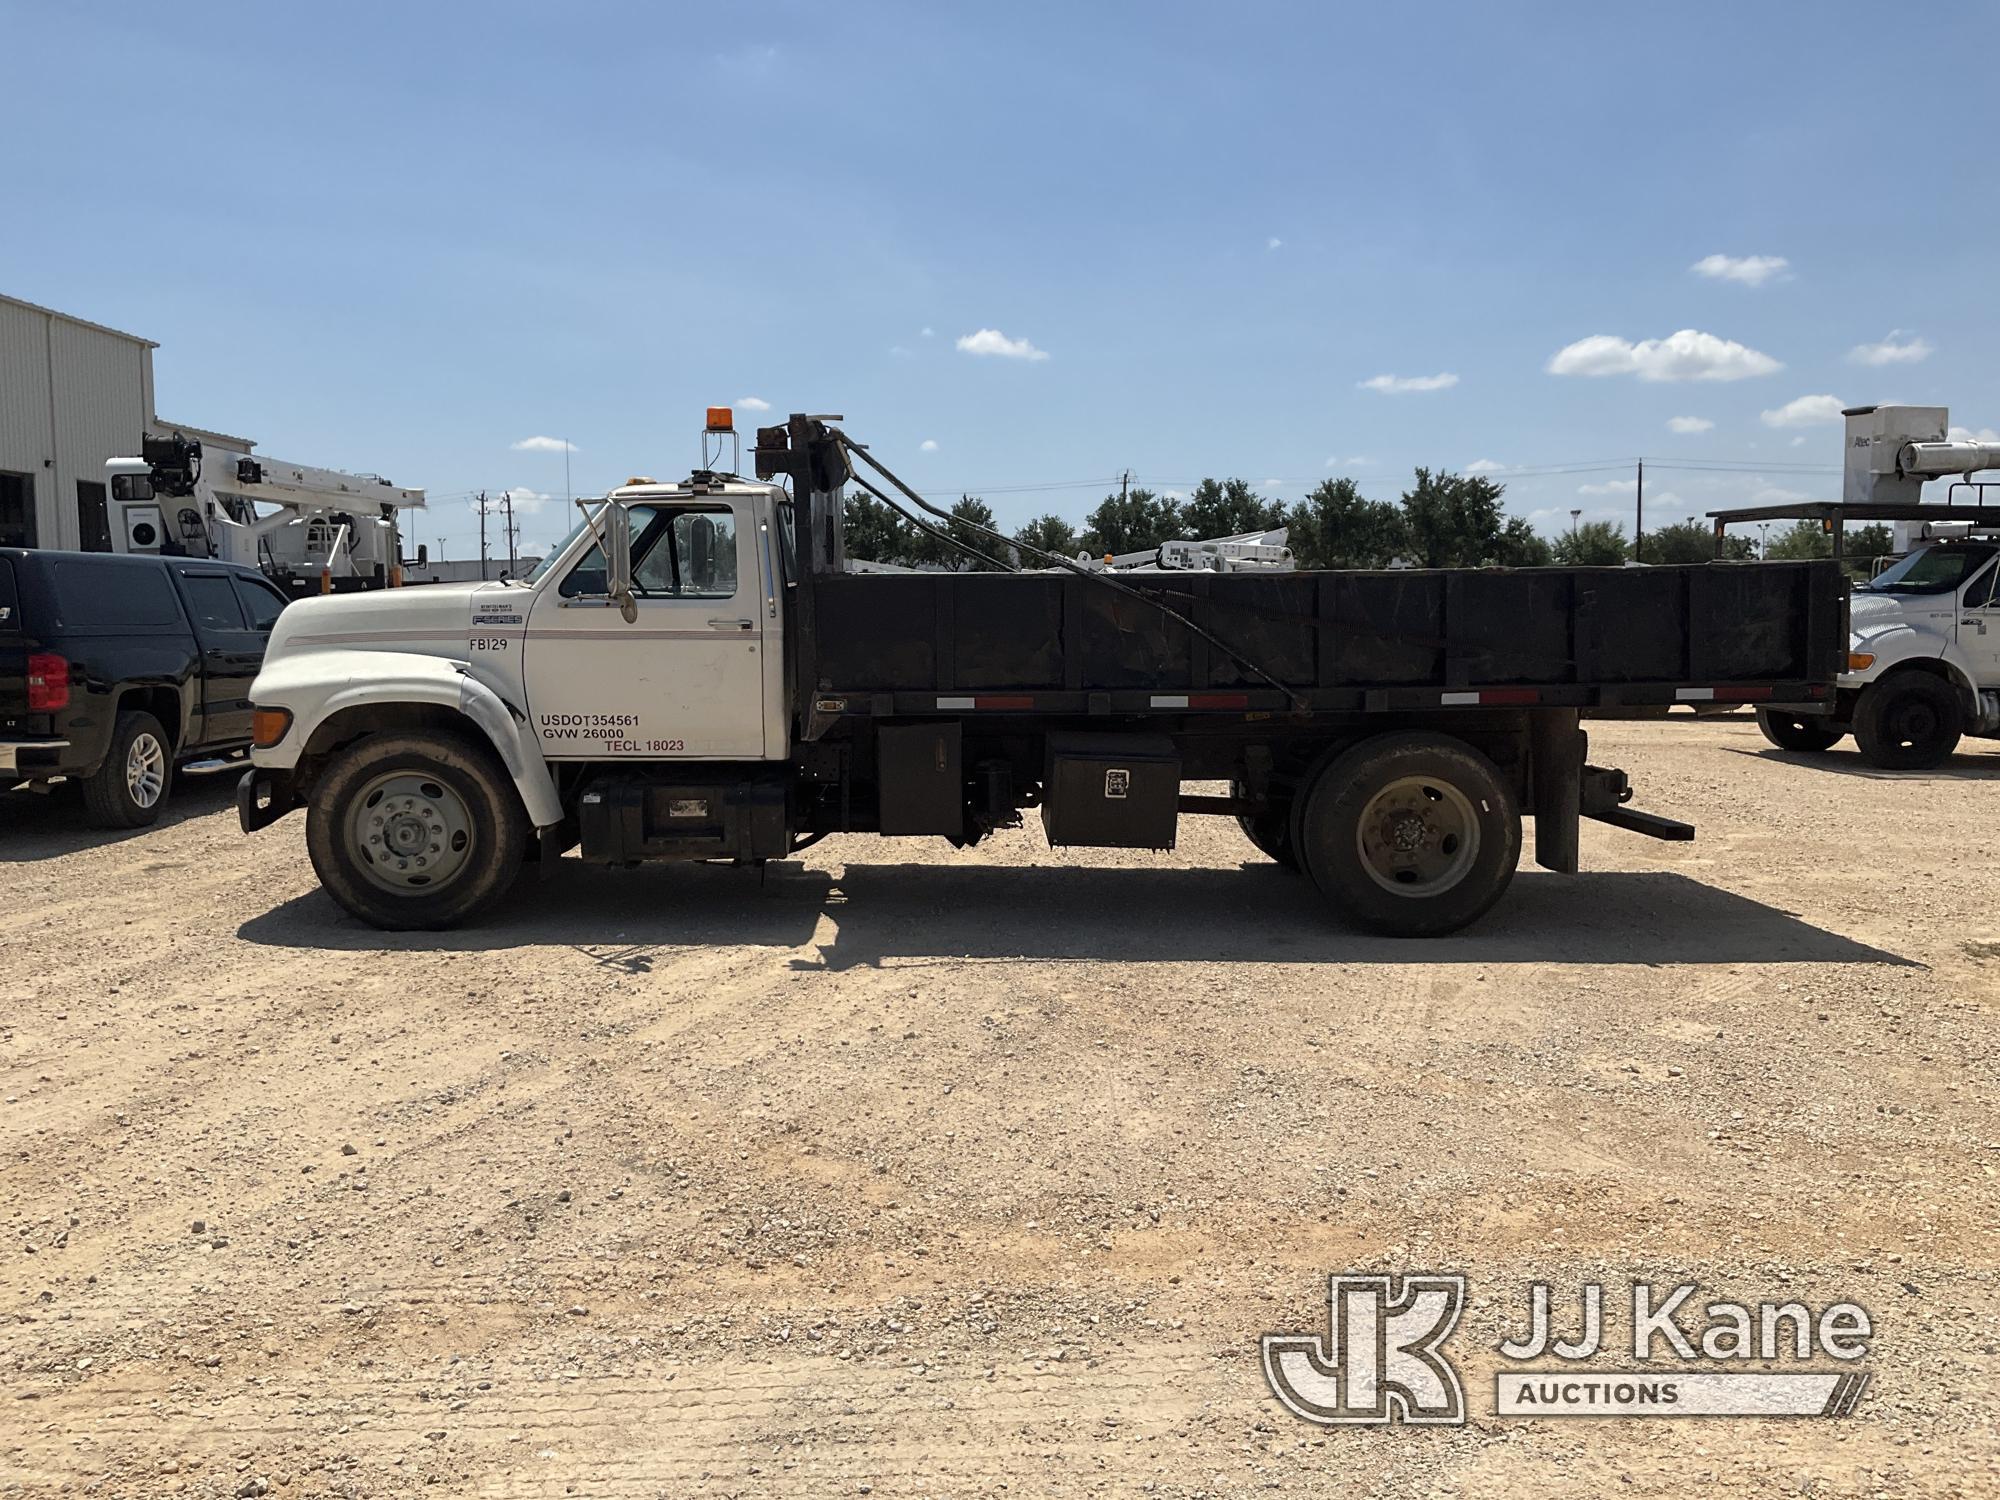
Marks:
<point>1798,731</point>
<point>130,788</point>
<point>416,830</point>
<point>1270,830</point>
<point>1412,835</point>
<point>1908,722</point>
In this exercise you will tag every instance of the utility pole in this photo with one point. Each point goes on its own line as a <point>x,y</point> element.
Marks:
<point>512,531</point>
<point>482,507</point>
<point>1639,515</point>
<point>1124,484</point>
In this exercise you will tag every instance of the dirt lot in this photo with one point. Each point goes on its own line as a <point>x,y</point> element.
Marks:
<point>905,1172</point>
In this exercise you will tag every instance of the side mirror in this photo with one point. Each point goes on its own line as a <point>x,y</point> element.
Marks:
<point>423,554</point>
<point>618,560</point>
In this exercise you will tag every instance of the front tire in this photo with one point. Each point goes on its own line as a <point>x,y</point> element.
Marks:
<point>1908,722</point>
<point>1410,835</point>
<point>416,831</point>
<point>130,788</point>
<point>1798,731</point>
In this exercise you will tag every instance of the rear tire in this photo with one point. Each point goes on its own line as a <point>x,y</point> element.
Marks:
<point>1798,731</point>
<point>416,830</point>
<point>1908,722</point>
<point>1270,830</point>
<point>130,788</point>
<point>1410,835</point>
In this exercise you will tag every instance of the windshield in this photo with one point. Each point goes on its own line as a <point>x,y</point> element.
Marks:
<point>1929,570</point>
<point>555,552</point>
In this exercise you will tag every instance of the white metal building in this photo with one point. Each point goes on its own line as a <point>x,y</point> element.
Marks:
<point>72,395</point>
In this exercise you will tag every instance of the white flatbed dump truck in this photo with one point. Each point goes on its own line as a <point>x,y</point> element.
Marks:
<point>694,675</point>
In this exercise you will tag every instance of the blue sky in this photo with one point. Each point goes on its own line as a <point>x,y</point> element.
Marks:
<point>407,238</point>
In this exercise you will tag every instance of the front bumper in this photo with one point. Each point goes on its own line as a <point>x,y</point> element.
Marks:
<point>263,796</point>
<point>31,757</point>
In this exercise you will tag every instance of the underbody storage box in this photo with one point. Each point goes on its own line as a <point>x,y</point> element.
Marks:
<point>1111,791</point>
<point>921,778</point>
<point>621,819</point>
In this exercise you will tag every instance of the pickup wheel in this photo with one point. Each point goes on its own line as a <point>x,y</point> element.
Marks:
<point>416,830</point>
<point>130,788</point>
<point>1798,731</point>
<point>1908,722</point>
<point>1411,835</point>
<point>1270,831</point>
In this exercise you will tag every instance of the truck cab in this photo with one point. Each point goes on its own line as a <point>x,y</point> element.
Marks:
<point>1923,665</point>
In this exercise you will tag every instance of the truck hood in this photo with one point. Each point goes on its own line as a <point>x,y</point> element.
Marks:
<point>1871,618</point>
<point>432,618</point>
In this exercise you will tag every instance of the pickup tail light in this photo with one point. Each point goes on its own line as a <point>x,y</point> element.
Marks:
<point>268,726</point>
<point>48,682</point>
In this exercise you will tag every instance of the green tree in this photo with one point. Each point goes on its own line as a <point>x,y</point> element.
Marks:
<point>1865,542</point>
<point>1683,542</point>
<point>967,512</point>
<point>1051,534</point>
<point>1802,539</point>
<point>1453,520</point>
<point>875,533</point>
<point>1228,508</point>
<point>1334,527</point>
<point>1131,523</point>
<point>1521,546</point>
<point>1593,544</point>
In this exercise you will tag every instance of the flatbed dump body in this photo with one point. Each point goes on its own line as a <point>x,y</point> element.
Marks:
<point>1347,641</point>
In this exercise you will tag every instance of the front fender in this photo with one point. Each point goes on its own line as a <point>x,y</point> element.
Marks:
<point>1896,645</point>
<point>316,685</point>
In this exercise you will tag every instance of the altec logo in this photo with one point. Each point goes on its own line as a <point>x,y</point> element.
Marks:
<point>1379,1356</point>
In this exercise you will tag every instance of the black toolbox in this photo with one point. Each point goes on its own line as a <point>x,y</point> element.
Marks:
<point>1111,791</point>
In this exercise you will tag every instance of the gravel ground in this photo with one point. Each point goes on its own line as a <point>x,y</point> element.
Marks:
<point>900,1171</point>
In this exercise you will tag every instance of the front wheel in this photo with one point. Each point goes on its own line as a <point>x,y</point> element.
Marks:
<point>1797,731</point>
<point>1908,722</point>
<point>415,830</point>
<point>1411,835</point>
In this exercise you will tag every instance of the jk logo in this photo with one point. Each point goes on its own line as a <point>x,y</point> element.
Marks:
<point>1378,1360</point>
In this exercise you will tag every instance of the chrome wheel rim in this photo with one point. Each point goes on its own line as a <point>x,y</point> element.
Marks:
<point>410,832</point>
<point>1418,836</point>
<point>145,770</point>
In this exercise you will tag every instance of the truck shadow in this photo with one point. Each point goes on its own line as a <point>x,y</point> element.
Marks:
<point>1848,762</point>
<point>902,913</point>
<point>36,826</point>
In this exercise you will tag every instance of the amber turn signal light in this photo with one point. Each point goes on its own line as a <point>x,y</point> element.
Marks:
<point>1860,661</point>
<point>268,726</point>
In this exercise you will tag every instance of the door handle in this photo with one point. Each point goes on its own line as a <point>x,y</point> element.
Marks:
<point>1980,624</point>
<point>732,624</point>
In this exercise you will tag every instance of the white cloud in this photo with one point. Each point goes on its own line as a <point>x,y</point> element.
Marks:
<point>1609,487</point>
<point>752,403</point>
<point>930,333</point>
<point>526,503</point>
<point>1274,484</point>
<point>900,351</point>
<point>543,445</point>
<point>1396,385</point>
<point>1806,411</point>
<point>1968,435</point>
<point>928,445</point>
<point>993,341</point>
<point>1688,424</point>
<point>1750,270</point>
<point>1484,466</point>
<point>1898,348</point>
<point>1686,355</point>
<point>1274,243</point>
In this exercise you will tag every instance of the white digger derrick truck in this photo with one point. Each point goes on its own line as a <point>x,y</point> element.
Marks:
<point>695,675</point>
<point>1923,662</point>
<point>311,530</point>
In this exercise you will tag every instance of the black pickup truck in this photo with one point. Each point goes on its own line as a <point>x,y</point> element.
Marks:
<point>114,670</point>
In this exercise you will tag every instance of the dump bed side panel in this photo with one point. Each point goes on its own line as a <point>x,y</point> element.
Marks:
<point>1595,628</point>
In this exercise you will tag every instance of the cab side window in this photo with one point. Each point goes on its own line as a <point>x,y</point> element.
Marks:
<point>261,603</point>
<point>681,552</point>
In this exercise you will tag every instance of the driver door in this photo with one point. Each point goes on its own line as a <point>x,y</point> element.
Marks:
<point>685,680</point>
<point>1979,627</point>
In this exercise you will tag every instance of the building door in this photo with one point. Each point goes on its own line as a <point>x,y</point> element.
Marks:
<point>17,510</point>
<point>93,521</point>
